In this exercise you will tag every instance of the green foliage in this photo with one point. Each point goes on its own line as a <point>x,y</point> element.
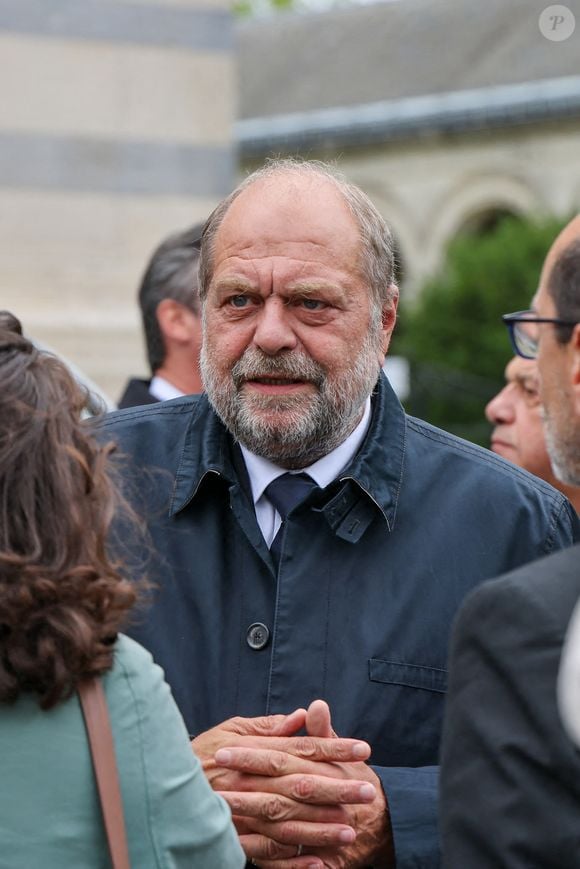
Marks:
<point>453,336</point>
<point>252,7</point>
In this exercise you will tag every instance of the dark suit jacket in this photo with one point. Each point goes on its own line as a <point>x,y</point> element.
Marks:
<point>136,393</point>
<point>510,777</point>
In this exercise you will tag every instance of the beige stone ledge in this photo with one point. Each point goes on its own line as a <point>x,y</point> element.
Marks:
<point>189,4</point>
<point>79,258</point>
<point>125,92</point>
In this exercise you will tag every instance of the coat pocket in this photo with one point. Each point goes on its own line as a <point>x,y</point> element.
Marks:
<point>408,675</point>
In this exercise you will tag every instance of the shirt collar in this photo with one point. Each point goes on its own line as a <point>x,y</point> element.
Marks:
<point>163,390</point>
<point>261,471</point>
<point>205,450</point>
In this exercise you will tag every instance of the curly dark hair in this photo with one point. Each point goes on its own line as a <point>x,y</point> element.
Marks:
<point>62,598</point>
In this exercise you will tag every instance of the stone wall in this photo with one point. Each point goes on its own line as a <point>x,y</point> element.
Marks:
<point>115,130</point>
<point>429,189</point>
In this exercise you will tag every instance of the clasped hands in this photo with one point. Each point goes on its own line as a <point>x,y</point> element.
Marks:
<point>299,802</point>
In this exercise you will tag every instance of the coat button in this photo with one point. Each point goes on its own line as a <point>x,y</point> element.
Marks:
<point>257,636</point>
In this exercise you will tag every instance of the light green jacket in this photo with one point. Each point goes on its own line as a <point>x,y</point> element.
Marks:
<point>49,812</point>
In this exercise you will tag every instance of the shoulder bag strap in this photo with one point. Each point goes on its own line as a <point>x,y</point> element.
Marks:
<point>98,725</point>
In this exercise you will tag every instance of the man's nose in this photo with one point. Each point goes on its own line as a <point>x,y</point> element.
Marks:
<point>274,331</point>
<point>500,409</point>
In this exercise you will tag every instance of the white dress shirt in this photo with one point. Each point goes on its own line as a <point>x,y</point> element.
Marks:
<point>569,679</point>
<point>163,390</point>
<point>324,471</point>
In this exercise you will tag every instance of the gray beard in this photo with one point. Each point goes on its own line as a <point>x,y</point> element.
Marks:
<point>291,431</point>
<point>563,445</point>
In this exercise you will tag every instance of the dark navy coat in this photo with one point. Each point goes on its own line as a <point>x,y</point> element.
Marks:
<point>371,575</point>
<point>136,393</point>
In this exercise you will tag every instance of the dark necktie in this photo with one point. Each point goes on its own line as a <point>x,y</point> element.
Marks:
<point>285,493</point>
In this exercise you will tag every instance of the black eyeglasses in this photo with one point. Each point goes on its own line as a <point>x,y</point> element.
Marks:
<point>524,334</point>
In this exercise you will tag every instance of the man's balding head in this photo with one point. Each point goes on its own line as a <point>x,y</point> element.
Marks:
<point>377,260</point>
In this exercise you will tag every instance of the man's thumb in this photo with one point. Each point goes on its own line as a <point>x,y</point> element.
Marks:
<point>318,722</point>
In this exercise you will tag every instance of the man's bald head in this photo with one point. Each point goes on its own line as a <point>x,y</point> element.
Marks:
<point>376,258</point>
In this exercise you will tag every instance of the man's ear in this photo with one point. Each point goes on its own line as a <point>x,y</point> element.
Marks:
<point>175,320</point>
<point>389,318</point>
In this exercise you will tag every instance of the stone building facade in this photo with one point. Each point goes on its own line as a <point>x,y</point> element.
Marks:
<point>447,113</point>
<point>115,129</point>
<point>118,126</point>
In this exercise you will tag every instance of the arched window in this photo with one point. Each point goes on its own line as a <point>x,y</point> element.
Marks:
<point>486,221</point>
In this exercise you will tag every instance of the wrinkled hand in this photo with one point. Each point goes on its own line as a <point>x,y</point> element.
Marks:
<point>275,752</point>
<point>313,791</point>
<point>374,841</point>
<point>250,732</point>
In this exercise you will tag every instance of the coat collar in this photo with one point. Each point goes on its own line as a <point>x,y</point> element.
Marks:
<point>371,481</point>
<point>377,468</point>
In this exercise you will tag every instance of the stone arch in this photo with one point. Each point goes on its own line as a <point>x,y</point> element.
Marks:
<point>486,220</point>
<point>574,207</point>
<point>473,199</point>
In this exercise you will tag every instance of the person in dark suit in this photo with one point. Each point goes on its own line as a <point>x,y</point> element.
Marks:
<point>170,311</point>
<point>510,775</point>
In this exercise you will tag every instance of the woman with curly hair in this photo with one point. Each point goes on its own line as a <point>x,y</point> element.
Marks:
<point>62,603</point>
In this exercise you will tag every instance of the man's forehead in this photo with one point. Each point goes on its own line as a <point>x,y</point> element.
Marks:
<point>521,370</point>
<point>288,193</point>
<point>272,214</point>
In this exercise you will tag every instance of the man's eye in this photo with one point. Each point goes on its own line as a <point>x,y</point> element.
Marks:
<point>312,304</point>
<point>531,389</point>
<point>239,301</point>
<point>531,395</point>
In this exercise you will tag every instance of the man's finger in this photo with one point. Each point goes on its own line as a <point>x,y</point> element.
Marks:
<point>325,749</point>
<point>318,722</point>
<point>291,724</point>
<point>305,833</point>
<point>275,807</point>
<point>307,747</point>
<point>267,725</point>
<point>252,731</point>
<point>257,846</point>
<point>266,853</point>
<point>320,790</point>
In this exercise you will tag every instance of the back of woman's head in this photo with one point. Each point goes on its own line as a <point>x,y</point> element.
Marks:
<point>61,597</point>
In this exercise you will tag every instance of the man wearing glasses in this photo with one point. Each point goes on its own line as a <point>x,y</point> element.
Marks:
<point>510,777</point>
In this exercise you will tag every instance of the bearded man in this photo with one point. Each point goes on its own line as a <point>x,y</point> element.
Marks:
<point>312,541</point>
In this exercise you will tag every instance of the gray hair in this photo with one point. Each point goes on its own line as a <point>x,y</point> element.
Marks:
<point>170,274</point>
<point>377,247</point>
